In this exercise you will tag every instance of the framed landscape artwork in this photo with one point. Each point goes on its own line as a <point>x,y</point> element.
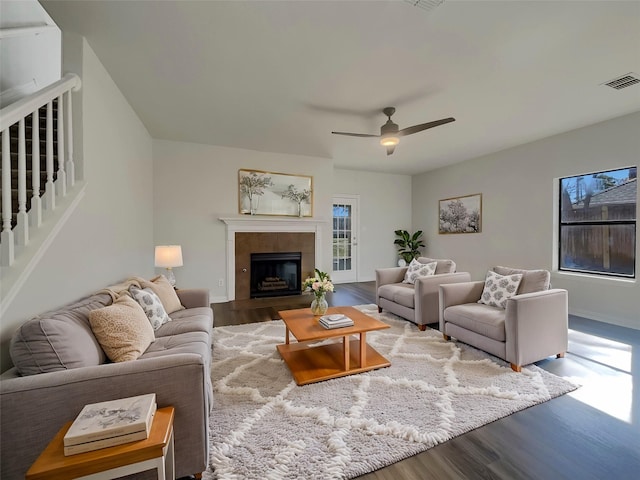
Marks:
<point>270,193</point>
<point>460,214</point>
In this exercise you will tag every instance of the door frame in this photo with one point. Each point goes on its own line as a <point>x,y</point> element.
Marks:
<point>354,200</point>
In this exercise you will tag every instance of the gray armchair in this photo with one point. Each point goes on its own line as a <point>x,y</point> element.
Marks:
<point>533,326</point>
<point>417,302</point>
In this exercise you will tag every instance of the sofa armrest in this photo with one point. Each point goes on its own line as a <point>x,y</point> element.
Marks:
<point>427,295</point>
<point>536,326</point>
<point>194,297</point>
<point>458,294</point>
<point>34,408</point>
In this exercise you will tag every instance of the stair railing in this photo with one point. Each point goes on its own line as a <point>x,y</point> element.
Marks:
<point>30,217</point>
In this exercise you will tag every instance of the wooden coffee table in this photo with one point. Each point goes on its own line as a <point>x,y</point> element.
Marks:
<point>315,363</point>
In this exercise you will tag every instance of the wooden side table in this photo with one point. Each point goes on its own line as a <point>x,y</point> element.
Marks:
<point>156,452</point>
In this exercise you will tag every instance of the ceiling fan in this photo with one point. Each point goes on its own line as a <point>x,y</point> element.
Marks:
<point>390,133</point>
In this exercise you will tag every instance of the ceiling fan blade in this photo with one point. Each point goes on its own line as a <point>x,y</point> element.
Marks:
<point>424,126</point>
<point>355,134</point>
<point>390,149</point>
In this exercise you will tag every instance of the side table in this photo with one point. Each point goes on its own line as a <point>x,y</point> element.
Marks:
<point>156,452</point>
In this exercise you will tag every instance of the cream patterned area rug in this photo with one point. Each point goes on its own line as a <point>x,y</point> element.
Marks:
<point>264,426</point>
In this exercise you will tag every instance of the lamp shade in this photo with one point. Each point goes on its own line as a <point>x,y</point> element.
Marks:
<point>168,256</point>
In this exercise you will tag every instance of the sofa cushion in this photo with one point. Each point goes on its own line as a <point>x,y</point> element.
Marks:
<point>168,296</point>
<point>482,319</point>
<point>122,329</point>
<point>151,304</point>
<point>444,264</point>
<point>401,293</point>
<point>498,288</point>
<point>417,270</point>
<point>58,340</point>
<point>532,280</point>
<point>190,320</point>
<point>188,342</point>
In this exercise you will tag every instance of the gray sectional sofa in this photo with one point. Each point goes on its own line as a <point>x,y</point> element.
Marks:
<point>60,367</point>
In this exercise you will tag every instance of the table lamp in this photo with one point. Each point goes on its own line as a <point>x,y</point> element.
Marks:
<point>169,256</point>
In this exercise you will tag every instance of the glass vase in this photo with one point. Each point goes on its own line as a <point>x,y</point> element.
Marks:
<point>319,305</point>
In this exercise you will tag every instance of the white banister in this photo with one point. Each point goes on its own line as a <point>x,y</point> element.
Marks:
<point>35,211</point>
<point>30,212</point>
<point>13,113</point>
<point>22,220</point>
<point>49,187</point>
<point>6,236</point>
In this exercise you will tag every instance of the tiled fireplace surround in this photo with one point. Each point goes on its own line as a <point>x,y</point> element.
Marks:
<point>251,234</point>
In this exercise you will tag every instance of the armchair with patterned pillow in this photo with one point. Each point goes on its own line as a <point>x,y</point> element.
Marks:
<point>513,314</point>
<point>411,292</point>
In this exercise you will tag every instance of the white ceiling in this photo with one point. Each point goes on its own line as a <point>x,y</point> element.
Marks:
<point>279,76</point>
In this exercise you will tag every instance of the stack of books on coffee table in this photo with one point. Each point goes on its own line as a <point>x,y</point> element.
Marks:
<point>106,424</point>
<point>335,321</point>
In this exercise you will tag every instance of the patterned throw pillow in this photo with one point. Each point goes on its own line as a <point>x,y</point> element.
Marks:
<point>152,306</point>
<point>498,288</point>
<point>417,270</point>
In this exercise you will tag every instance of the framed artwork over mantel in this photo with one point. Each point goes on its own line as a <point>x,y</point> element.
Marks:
<point>460,214</point>
<point>271,193</point>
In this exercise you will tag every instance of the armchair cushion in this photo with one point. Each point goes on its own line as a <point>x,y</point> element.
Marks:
<point>444,265</point>
<point>417,269</point>
<point>400,293</point>
<point>532,280</point>
<point>482,319</point>
<point>498,288</point>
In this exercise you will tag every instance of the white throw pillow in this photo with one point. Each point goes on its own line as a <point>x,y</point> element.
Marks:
<point>498,288</point>
<point>417,270</point>
<point>151,304</point>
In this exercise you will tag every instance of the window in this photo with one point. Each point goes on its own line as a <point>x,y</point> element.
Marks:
<point>598,223</point>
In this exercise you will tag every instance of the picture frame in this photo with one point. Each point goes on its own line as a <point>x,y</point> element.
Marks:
<point>270,193</point>
<point>460,214</point>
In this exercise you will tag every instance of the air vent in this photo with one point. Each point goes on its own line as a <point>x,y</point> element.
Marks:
<point>427,5</point>
<point>623,81</point>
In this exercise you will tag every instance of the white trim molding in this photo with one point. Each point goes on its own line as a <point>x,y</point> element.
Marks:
<point>252,223</point>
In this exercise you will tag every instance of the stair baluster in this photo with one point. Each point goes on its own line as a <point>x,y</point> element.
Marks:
<point>61,181</point>
<point>70,168</point>
<point>7,254</point>
<point>22,220</point>
<point>49,191</point>
<point>35,211</point>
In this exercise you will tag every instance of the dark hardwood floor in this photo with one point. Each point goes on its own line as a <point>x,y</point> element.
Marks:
<point>592,433</point>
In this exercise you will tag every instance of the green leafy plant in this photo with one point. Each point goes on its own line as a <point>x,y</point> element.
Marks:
<point>408,244</point>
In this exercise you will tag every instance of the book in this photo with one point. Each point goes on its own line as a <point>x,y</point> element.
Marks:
<point>106,420</point>
<point>107,442</point>
<point>335,321</point>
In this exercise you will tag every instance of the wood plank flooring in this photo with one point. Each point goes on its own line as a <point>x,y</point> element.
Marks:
<point>592,433</point>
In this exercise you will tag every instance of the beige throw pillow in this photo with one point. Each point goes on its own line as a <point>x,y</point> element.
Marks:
<point>167,294</point>
<point>122,329</point>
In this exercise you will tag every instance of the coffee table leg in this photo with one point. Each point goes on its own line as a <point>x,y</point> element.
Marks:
<point>286,338</point>
<point>345,348</point>
<point>363,349</point>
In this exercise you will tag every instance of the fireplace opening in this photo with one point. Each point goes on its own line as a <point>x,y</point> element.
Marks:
<point>275,274</point>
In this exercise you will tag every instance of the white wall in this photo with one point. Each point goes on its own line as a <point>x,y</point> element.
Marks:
<point>196,184</point>
<point>110,235</point>
<point>517,187</point>
<point>385,206</point>
<point>28,62</point>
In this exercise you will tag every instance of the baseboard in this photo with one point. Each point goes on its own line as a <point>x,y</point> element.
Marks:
<point>219,299</point>
<point>608,318</point>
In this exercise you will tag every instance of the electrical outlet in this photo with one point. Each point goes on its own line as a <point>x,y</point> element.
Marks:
<point>220,282</point>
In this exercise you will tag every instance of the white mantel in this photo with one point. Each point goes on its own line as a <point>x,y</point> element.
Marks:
<point>254,223</point>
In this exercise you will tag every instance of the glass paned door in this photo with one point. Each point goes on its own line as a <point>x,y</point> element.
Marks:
<point>344,239</point>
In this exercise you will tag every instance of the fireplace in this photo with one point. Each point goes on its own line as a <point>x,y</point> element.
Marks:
<point>275,274</point>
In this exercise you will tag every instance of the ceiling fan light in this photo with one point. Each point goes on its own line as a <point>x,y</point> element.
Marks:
<point>389,141</point>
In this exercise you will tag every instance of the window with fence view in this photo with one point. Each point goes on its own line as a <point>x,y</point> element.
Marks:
<point>598,222</point>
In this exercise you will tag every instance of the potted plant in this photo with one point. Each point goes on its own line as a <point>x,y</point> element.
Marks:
<point>408,244</point>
